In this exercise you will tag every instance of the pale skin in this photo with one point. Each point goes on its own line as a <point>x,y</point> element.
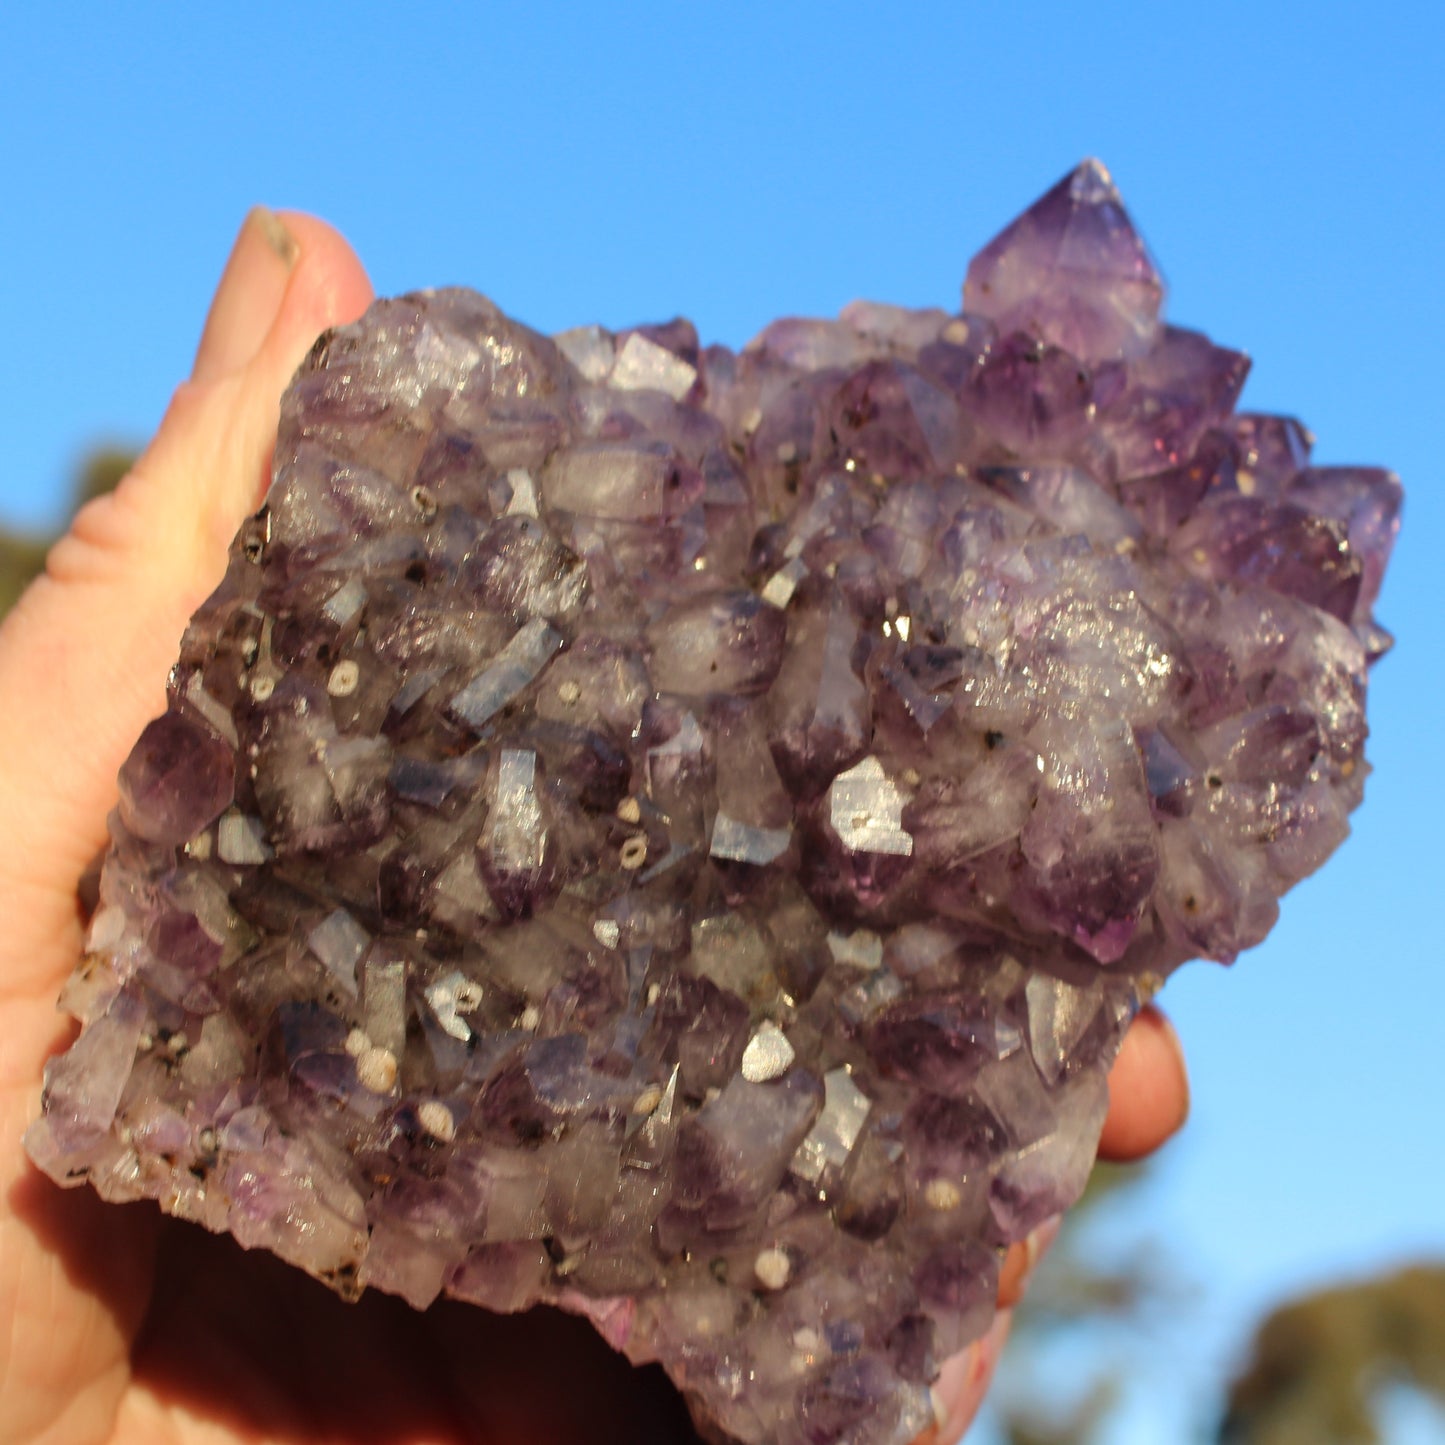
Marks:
<point>119,1326</point>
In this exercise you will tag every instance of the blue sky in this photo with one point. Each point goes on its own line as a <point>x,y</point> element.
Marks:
<point>737,163</point>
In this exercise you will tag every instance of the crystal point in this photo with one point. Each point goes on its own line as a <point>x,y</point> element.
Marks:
<point>679,835</point>
<point>1071,271</point>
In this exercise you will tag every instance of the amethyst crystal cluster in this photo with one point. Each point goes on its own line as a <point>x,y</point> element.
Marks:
<point>679,833</point>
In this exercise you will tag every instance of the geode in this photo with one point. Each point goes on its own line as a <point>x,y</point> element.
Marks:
<point>679,834</point>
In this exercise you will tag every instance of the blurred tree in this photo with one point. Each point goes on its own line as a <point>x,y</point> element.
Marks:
<point>1318,1366</point>
<point>1094,1310</point>
<point>22,556</point>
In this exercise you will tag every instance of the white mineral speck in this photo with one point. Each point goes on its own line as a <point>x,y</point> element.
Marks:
<point>241,840</point>
<point>772,1267</point>
<point>516,833</point>
<point>942,1194</point>
<point>106,928</point>
<point>437,1120</point>
<point>836,1130</point>
<point>524,493</point>
<point>376,1069</point>
<point>445,995</point>
<point>643,365</point>
<point>344,678</point>
<point>358,1041</point>
<point>768,1055</point>
<point>866,810</point>
<point>779,588</point>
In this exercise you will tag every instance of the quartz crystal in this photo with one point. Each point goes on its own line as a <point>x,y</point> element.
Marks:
<point>679,834</point>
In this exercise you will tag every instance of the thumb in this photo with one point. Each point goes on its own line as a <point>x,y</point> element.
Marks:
<point>85,652</point>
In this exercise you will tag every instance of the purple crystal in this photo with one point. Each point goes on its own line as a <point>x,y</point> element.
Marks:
<point>680,835</point>
<point>1072,272</point>
<point>179,778</point>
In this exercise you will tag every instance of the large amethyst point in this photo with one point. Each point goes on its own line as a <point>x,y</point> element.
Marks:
<point>1072,272</point>
<point>680,834</point>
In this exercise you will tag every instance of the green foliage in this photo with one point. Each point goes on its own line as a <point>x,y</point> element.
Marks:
<point>1081,1423</point>
<point>1317,1365</point>
<point>1316,1370</point>
<point>22,557</point>
<point>101,471</point>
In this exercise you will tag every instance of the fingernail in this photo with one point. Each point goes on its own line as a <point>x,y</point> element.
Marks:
<point>248,297</point>
<point>277,236</point>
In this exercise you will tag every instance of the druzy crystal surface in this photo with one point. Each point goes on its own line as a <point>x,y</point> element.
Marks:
<point>679,834</point>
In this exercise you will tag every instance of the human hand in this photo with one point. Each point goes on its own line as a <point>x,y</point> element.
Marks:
<point>118,1325</point>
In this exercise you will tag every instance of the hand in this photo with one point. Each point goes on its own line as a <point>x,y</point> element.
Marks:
<point>117,1324</point>
<point>1148,1103</point>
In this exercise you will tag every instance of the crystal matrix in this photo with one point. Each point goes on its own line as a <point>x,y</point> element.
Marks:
<point>679,834</point>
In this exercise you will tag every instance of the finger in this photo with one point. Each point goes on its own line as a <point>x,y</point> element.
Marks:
<point>83,659</point>
<point>85,652</point>
<point>962,1384</point>
<point>249,298</point>
<point>1148,1090</point>
<point>1021,1261</point>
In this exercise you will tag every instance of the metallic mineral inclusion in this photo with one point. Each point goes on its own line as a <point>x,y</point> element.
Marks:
<point>679,834</point>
